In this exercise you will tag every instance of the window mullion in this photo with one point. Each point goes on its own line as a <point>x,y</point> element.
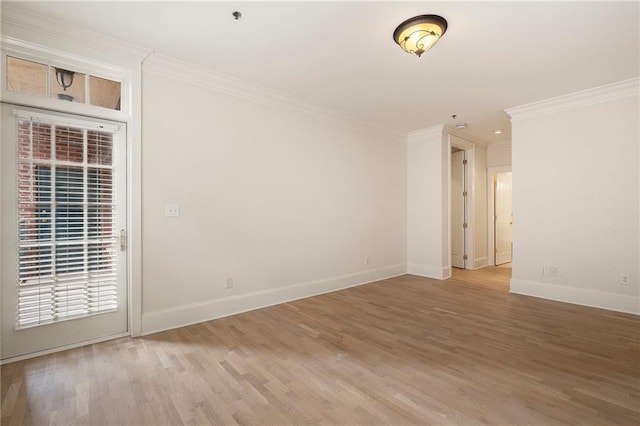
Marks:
<point>85,212</point>
<point>54,245</point>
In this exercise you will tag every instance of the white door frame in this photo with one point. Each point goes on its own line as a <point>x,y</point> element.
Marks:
<point>38,41</point>
<point>458,211</point>
<point>66,333</point>
<point>456,141</point>
<point>491,244</point>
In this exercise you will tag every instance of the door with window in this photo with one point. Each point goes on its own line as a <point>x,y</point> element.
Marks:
<point>63,230</point>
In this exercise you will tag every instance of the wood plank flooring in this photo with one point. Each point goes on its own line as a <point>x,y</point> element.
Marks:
<point>407,350</point>
<point>496,277</point>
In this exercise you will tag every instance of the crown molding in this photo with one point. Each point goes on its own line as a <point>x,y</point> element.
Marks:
<point>21,19</point>
<point>596,95</point>
<point>427,133</point>
<point>15,21</point>
<point>480,143</point>
<point>206,78</point>
<point>499,145</point>
<point>27,50</point>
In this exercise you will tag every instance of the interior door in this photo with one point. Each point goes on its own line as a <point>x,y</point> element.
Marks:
<point>63,230</point>
<point>457,209</point>
<point>503,218</point>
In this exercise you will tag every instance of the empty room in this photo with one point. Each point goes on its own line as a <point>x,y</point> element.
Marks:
<point>320,213</point>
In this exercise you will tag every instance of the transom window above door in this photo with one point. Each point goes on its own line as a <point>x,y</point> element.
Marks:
<point>35,78</point>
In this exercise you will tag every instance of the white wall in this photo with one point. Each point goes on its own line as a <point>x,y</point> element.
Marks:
<point>428,175</point>
<point>287,202</point>
<point>427,246</point>
<point>575,200</point>
<point>499,154</point>
<point>480,208</point>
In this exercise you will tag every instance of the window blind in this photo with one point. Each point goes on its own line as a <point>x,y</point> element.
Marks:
<point>67,248</point>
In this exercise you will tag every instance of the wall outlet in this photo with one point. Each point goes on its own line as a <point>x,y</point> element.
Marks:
<point>553,271</point>
<point>228,282</point>
<point>624,279</point>
<point>366,260</point>
<point>172,210</point>
<point>543,271</point>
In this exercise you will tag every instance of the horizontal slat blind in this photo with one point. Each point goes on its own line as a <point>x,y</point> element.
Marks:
<point>67,258</point>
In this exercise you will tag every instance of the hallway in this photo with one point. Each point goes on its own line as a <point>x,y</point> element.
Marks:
<point>495,277</point>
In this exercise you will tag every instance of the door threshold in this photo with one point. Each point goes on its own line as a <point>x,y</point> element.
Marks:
<point>63,348</point>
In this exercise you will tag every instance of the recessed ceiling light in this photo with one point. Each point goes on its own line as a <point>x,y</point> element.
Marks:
<point>461,126</point>
<point>497,132</point>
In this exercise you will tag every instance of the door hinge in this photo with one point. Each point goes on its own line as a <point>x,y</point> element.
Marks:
<point>495,250</point>
<point>464,161</point>
<point>465,193</point>
<point>464,257</point>
<point>123,240</point>
<point>464,225</point>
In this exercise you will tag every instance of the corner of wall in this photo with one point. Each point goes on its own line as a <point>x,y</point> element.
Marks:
<point>578,296</point>
<point>179,316</point>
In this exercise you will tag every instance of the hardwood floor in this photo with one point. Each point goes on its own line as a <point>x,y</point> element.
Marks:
<point>496,277</point>
<point>407,350</point>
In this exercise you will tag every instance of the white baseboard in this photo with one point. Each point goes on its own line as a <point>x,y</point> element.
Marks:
<point>428,271</point>
<point>578,296</point>
<point>480,262</point>
<point>179,316</point>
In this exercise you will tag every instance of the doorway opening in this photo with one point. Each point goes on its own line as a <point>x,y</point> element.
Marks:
<point>461,175</point>
<point>500,217</point>
<point>459,208</point>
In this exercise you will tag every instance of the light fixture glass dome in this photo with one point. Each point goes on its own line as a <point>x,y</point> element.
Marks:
<point>420,33</point>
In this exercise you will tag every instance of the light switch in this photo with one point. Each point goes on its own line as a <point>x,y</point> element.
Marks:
<point>172,210</point>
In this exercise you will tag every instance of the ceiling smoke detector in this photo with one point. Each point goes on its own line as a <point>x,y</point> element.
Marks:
<point>461,126</point>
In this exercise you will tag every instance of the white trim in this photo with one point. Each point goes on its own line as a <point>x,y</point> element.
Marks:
<point>62,348</point>
<point>48,27</point>
<point>88,124</point>
<point>578,296</point>
<point>184,315</point>
<point>429,271</point>
<point>36,52</point>
<point>491,172</point>
<point>428,133</point>
<point>606,93</point>
<point>134,202</point>
<point>506,144</point>
<point>206,78</point>
<point>480,262</point>
<point>463,135</point>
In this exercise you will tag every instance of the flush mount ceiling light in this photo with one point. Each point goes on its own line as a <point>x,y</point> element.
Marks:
<point>420,33</point>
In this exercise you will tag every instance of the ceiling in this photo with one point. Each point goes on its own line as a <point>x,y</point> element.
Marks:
<point>341,55</point>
